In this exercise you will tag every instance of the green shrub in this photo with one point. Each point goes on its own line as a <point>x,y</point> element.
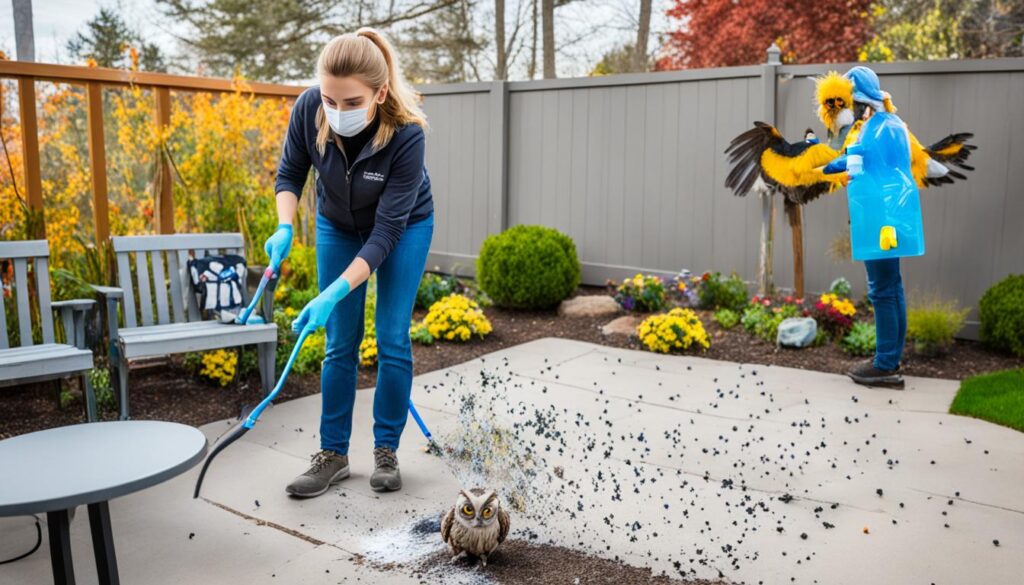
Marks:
<point>433,287</point>
<point>528,267</point>
<point>727,318</point>
<point>715,293</point>
<point>860,341</point>
<point>1002,314</point>
<point>932,324</point>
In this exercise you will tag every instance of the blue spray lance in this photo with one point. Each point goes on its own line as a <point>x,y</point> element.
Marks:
<point>268,274</point>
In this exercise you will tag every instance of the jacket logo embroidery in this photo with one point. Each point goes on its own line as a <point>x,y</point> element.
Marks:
<point>373,176</point>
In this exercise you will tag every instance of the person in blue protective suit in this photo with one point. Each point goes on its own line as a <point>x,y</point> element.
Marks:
<point>885,218</point>
<point>361,128</point>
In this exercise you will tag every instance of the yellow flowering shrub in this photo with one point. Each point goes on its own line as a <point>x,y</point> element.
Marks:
<point>456,318</point>
<point>679,329</point>
<point>219,366</point>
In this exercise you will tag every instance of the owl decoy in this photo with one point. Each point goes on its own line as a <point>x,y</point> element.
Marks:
<point>475,525</point>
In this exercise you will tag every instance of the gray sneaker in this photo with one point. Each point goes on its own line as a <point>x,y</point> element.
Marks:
<point>385,475</point>
<point>327,468</point>
<point>868,375</point>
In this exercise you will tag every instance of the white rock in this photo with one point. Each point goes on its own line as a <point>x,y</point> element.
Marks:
<point>797,332</point>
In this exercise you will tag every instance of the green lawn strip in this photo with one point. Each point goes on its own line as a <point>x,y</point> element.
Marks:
<point>996,397</point>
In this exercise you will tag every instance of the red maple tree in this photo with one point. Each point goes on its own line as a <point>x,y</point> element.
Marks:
<point>723,33</point>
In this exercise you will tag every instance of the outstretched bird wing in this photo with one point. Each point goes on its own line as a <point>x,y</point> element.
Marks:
<point>504,522</point>
<point>793,169</point>
<point>933,165</point>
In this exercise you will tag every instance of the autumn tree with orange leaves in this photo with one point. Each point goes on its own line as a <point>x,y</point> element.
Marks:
<point>724,33</point>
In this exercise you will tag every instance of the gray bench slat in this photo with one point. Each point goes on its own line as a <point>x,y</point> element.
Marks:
<point>43,287</point>
<point>174,276</point>
<point>160,288</point>
<point>21,286</point>
<point>17,352</point>
<point>24,249</point>
<point>124,281</point>
<point>190,297</point>
<point>176,242</point>
<point>49,362</point>
<point>142,343</point>
<point>145,300</point>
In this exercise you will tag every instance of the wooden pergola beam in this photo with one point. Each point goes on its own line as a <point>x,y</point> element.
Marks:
<point>98,162</point>
<point>30,152</point>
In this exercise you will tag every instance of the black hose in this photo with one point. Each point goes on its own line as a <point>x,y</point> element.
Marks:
<point>39,541</point>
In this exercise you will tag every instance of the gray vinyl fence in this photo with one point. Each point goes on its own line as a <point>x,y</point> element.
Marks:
<point>632,168</point>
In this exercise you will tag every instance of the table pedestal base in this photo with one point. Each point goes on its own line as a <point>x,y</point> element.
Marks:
<point>59,527</point>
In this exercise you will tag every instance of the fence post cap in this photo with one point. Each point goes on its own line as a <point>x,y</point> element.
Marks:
<point>774,55</point>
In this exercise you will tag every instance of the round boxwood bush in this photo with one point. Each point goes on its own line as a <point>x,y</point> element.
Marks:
<point>528,267</point>
<point>1002,314</point>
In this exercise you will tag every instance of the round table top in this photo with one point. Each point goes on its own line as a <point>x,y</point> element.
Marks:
<point>87,463</point>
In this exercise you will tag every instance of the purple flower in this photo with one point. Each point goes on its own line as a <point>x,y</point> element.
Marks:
<point>627,303</point>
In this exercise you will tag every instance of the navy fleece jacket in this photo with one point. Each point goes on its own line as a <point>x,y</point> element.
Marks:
<point>376,192</point>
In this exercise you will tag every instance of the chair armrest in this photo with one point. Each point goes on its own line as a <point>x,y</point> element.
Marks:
<point>74,304</point>
<point>72,316</point>
<point>109,292</point>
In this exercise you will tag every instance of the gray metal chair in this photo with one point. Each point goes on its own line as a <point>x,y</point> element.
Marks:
<point>163,318</point>
<point>50,360</point>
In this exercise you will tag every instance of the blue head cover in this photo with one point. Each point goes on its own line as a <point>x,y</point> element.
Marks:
<point>866,87</point>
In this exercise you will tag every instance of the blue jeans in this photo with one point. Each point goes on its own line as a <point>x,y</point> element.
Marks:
<point>885,289</point>
<point>398,278</point>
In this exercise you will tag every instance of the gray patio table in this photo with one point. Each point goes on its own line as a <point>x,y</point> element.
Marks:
<point>57,469</point>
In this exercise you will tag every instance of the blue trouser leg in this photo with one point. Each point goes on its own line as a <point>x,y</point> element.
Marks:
<point>335,250</point>
<point>398,279</point>
<point>885,289</point>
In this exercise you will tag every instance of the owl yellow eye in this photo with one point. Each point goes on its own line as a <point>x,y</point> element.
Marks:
<point>467,510</point>
<point>487,513</point>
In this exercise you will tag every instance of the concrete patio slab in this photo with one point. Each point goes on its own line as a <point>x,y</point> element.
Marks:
<point>686,465</point>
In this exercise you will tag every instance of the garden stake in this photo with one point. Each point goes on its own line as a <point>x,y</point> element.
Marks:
<point>432,446</point>
<point>236,432</point>
<point>267,275</point>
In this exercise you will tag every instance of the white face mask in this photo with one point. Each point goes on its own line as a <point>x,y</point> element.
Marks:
<point>347,122</point>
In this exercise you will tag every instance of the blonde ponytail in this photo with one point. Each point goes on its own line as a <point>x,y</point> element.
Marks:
<point>367,54</point>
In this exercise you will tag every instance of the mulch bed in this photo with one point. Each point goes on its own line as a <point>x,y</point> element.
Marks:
<point>517,562</point>
<point>166,391</point>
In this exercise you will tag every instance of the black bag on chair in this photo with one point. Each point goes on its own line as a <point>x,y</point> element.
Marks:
<point>218,280</point>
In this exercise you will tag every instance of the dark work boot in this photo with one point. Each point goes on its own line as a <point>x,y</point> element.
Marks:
<point>868,375</point>
<point>385,474</point>
<point>327,468</point>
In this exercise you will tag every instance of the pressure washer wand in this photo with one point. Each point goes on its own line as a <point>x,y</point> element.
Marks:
<point>238,430</point>
<point>432,446</point>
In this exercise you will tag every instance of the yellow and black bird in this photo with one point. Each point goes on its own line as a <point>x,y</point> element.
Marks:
<point>795,169</point>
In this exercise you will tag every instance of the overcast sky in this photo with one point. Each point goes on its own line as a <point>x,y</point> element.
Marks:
<point>601,24</point>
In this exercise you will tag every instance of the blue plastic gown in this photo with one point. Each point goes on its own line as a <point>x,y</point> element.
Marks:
<point>885,207</point>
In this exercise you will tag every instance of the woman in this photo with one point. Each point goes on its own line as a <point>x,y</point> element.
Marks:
<point>362,130</point>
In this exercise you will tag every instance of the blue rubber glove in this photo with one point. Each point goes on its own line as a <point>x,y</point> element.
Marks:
<point>314,315</point>
<point>278,245</point>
